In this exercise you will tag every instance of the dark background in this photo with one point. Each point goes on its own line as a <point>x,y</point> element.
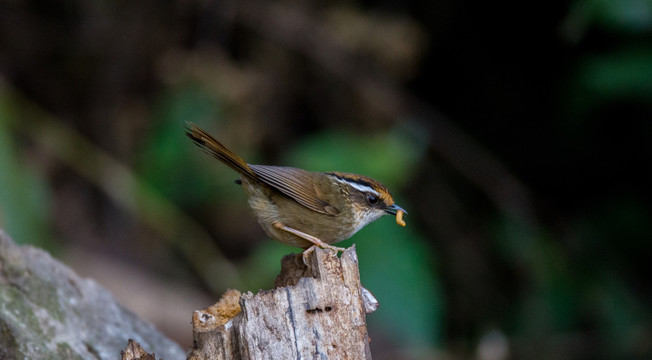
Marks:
<point>517,135</point>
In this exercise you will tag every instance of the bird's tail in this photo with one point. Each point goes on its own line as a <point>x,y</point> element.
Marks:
<point>214,148</point>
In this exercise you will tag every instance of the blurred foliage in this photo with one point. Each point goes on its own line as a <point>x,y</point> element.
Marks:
<point>519,144</point>
<point>386,156</point>
<point>166,161</point>
<point>24,194</point>
<point>630,16</point>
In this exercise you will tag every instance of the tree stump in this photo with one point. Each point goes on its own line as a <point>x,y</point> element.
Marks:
<point>315,312</point>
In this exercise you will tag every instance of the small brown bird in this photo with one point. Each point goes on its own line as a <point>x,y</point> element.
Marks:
<point>304,208</point>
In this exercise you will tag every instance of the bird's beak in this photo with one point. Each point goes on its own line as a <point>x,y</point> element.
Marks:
<point>393,209</point>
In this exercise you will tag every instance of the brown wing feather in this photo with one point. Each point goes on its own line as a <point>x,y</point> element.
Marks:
<point>295,183</point>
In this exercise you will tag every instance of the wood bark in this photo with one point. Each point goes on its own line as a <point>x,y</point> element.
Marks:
<point>316,311</point>
<point>134,351</point>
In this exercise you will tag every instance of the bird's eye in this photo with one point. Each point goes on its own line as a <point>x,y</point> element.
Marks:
<point>372,199</point>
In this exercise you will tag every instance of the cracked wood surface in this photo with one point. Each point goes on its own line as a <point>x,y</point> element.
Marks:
<point>315,312</point>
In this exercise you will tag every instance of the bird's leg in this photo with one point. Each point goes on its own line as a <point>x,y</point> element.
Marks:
<point>310,238</point>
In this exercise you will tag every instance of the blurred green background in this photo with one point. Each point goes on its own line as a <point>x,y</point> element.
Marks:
<point>517,135</point>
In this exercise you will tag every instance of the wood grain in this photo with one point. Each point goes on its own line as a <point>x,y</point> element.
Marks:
<point>315,312</point>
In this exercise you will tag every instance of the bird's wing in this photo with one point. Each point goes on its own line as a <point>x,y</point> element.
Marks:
<point>296,183</point>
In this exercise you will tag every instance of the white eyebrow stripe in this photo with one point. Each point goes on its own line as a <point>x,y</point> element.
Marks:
<point>359,187</point>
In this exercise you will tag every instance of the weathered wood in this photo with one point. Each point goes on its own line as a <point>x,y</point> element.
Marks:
<point>134,351</point>
<point>315,312</point>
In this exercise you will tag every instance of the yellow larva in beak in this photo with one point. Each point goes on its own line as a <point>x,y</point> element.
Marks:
<point>399,218</point>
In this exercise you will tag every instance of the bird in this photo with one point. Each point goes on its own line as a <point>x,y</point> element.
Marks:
<point>301,208</point>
